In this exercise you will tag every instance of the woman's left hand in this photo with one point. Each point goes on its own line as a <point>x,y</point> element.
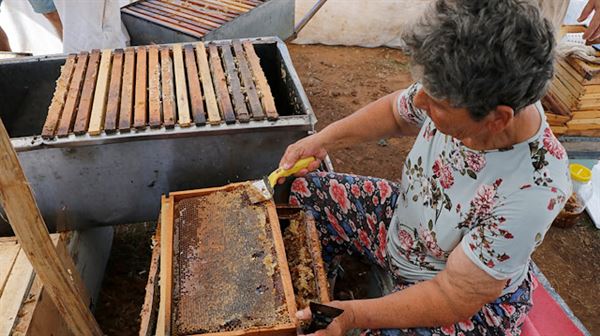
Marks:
<point>340,325</point>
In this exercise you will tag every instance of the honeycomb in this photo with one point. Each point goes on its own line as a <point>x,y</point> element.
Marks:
<point>226,276</point>
<point>301,262</point>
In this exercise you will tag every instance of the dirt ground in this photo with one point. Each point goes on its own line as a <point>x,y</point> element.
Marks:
<point>339,80</point>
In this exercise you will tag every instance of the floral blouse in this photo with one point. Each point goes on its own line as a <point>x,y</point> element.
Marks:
<point>497,205</point>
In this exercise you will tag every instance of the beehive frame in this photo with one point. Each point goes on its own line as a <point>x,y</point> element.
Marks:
<point>150,87</point>
<point>164,322</point>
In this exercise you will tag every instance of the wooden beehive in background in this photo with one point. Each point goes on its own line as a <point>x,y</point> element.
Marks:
<point>113,91</point>
<point>573,99</point>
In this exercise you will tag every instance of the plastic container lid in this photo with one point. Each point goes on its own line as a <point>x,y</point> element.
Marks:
<point>580,173</point>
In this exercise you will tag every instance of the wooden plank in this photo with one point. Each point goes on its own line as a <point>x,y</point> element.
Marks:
<point>176,23</point>
<point>215,8</point>
<point>591,89</point>
<point>568,83</point>
<point>82,121</point>
<point>553,105</point>
<point>26,221</point>
<point>314,244</point>
<point>8,255</point>
<point>558,88</point>
<point>154,109</point>
<point>181,15</point>
<point>235,88</point>
<point>262,85</point>
<point>225,7</point>
<point>114,93</point>
<point>168,96</point>
<point>194,86</point>
<point>214,118</point>
<point>574,79</point>
<point>559,130</point>
<point>30,304</point>
<point>557,118</point>
<point>220,85</point>
<point>249,88</point>
<point>38,314</point>
<point>586,114</point>
<point>125,112</point>
<point>149,309</point>
<point>69,113</point>
<point>279,330</point>
<point>559,96</point>
<point>587,69</point>
<point>210,22</point>
<point>100,96</point>
<point>242,7</point>
<point>58,100</point>
<point>586,133</point>
<point>203,10</point>
<point>183,107</point>
<point>166,267</point>
<point>592,121</point>
<point>284,270</point>
<point>16,288</point>
<point>587,105</point>
<point>140,116</point>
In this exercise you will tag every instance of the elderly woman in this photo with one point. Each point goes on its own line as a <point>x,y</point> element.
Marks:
<point>480,187</point>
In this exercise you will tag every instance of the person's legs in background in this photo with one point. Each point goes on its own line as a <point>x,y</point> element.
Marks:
<point>47,8</point>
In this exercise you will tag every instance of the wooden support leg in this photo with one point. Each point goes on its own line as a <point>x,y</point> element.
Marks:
<point>26,221</point>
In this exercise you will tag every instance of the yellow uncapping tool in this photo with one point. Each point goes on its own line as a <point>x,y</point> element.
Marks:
<point>264,187</point>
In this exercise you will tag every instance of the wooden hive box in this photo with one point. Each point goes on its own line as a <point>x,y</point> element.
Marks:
<point>573,98</point>
<point>238,284</point>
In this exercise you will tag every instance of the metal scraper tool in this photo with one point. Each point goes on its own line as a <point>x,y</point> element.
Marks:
<point>262,190</point>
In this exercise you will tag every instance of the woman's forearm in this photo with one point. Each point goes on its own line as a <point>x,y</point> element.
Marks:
<point>453,295</point>
<point>421,305</point>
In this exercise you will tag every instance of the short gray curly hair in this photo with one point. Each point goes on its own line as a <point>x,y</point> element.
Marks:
<point>479,54</point>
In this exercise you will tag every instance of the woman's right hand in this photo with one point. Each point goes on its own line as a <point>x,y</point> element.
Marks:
<point>309,146</point>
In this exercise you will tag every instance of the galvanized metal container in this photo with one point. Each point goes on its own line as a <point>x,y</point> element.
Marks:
<point>84,181</point>
<point>272,18</point>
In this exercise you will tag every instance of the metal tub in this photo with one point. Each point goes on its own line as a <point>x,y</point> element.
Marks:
<point>272,18</point>
<point>86,181</point>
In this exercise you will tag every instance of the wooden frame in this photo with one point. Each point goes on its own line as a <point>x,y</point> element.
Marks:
<point>163,325</point>
<point>314,246</point>
<point>167,217</point>
<point>150,307</point>
<point>148,315</point>
<point>102,92</point>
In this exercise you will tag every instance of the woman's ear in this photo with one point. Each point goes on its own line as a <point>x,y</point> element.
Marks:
<point>500,118</point>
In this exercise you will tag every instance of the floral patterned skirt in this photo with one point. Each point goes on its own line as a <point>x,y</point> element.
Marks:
<point>353,214</point>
